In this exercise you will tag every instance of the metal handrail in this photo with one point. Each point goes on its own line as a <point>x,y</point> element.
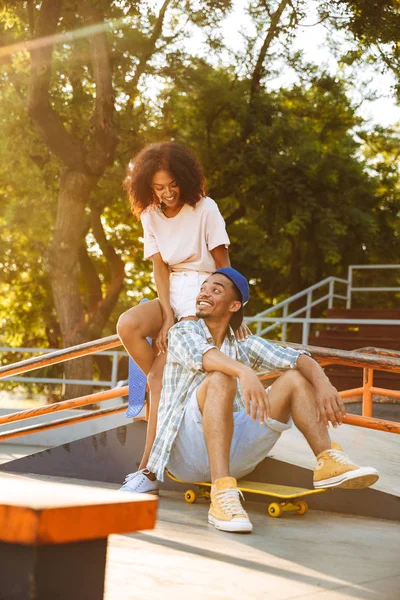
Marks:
<point>115,354</point>
<point>324,355</point>
<point>351,289</point>
<point>351,358</point>
<point>299,295</point>
<point>380,351</point>
<point>31,413</point>
<point>294,314</point>
<point>306,322</point>
<point>59,356</point>
<point>105,412</point>
<point>386,360</point>
<point>287,318</point>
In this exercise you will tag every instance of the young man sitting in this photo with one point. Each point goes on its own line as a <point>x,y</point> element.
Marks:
<point>216,421</point>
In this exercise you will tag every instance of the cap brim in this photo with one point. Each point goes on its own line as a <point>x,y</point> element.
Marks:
<point>237,319</point>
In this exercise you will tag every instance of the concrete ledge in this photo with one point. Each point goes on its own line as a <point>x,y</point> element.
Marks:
<point>106,456</point>
<point>110,455</point>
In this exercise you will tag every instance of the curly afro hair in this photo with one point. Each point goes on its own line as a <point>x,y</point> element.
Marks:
<point>169,156</point>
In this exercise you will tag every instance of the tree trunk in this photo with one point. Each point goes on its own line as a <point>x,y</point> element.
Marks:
<point>82,164</point>
<point>75,188</point>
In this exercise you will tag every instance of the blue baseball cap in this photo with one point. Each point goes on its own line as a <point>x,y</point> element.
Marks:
<point>242,286</point>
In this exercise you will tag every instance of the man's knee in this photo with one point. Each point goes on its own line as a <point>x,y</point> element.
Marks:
<point>216,386</point>
<point>222,381</point>
<point>295,380</point>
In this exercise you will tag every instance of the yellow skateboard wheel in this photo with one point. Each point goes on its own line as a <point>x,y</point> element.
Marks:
<point>274,510</point>
<point>190,496</point>
<point>302,507</point>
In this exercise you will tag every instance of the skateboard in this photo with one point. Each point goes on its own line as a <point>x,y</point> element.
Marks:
<point>137,382</point>
<point>291,497</point>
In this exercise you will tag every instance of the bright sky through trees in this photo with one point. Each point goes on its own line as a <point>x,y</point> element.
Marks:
<point>314,42</point>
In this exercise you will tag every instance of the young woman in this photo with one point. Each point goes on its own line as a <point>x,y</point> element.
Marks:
<point>185,237</point>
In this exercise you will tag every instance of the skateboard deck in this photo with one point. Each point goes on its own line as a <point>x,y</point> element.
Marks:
<point>137,382</point>
<point>291,497</point>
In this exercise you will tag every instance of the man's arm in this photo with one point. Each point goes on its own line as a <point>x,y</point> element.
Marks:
<point>252,389</point>
<point>186,345</point>
<point>330,404</point>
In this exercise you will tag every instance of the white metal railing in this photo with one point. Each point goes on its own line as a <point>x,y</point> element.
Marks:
<point>351,288</point>
<point>307,320</point>
<point>53,380</point>
<point>261,319</point>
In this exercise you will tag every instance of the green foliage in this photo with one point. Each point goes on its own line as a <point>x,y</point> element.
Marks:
<point>307,191</point>
<point>375,26</point>
<point>300,201</point>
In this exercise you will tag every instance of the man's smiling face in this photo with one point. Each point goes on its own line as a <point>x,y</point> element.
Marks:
<point>217,297</point>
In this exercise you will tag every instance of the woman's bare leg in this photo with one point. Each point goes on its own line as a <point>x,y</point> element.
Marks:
<point>137,324</point>
<point>134,326</point>
<point>155,383</point>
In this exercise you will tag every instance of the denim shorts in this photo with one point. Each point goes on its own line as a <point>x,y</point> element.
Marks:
<point>184,289</point>
<point>251,443</point>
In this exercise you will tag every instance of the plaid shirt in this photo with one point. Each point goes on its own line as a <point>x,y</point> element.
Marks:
<point>184,372</point>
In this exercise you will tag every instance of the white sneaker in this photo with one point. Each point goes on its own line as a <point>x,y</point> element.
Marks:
<point>139,483</point>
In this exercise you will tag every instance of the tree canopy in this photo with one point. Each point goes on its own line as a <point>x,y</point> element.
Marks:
<point>306,187</point>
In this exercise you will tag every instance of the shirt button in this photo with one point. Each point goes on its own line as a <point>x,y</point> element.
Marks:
<point>167,452</point>
<point>174,429</point>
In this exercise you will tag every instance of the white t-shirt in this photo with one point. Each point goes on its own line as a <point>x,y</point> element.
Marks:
<point>186,240</point>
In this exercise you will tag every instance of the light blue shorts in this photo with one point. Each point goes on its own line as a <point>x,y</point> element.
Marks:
<point>251,443</point>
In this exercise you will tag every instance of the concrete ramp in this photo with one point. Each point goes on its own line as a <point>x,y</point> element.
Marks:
<point>292,460</point>
<point>106,457</point>
<point>365,447</point>
<point>110,455</point>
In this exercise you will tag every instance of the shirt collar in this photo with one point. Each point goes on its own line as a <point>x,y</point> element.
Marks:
<point>209,338</point>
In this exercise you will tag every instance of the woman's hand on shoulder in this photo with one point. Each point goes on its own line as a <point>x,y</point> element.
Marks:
<point>162,338</point>
<point>243,332</point>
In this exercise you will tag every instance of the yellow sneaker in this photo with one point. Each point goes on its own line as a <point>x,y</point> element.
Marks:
<point>335,469</point>
<point>226,512</point>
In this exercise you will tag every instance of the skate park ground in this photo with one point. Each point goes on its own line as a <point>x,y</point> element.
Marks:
<point>320,556</point>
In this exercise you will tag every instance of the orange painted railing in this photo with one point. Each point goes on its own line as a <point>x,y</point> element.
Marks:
<point>369,359</point>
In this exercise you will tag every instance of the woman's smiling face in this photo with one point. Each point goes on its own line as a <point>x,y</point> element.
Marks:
<point>166,189</point>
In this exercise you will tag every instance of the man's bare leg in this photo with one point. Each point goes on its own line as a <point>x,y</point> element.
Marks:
<point>292,394</point>
<point>215,398</point>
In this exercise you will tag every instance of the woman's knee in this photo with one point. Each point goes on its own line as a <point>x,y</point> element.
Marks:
<point>154,379</point>
<point>128,326</point>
